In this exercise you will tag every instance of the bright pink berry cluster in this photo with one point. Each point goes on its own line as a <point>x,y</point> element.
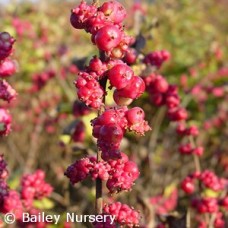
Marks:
<point>157,58</point>
<point>12,203</point>
<point>162,93</point>
<point>124,215</point>
<point>164,204</point>
<point>127,86</point>
<point>104,23</point>
<point>89,90</point>
<point>219,221</point>
<point>109,128</point>
<point>39,80</point>
<point>33,186</point>
<point>207,204</point>
<point>120,174</point>
<point>206,179</point>
<point>7,68</point>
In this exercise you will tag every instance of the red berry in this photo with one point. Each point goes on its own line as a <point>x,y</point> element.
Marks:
<point>114,11</point>
<point>81,14</point>
<point>6,45</point>
<point>135,115</point>
<point>108,37</point>
<point>134,89</point>
<point>7,68</point>
<point>160,84</point>
<point>187,185</point>
<point>130,56</point>
<point>111,133</point>
<point>122,101</point>
<point>120,75</point>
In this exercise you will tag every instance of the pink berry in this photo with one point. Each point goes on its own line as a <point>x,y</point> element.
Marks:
<point>121,101</point>
<point>7,93</point>
<point>135,115</point>
<point>120,75</point>
<point>114,11</point>
<point>81,14</point>
<point>187,185</point>
<point>5,122</point>
<point>134,89</point>
<point>108,37</point>
<point>130,56</point>
<point>6,45</point>
<point>111,133</point>
<point>160,84</point>
<point>7,68</point>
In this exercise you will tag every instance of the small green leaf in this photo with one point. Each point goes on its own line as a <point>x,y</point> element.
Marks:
<point>44,203</point>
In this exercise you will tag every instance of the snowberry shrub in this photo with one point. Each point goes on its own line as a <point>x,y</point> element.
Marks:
<point>7,68</point>
<point>105,24</point>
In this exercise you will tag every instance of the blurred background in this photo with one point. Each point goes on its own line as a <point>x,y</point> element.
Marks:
<point>49,129</point>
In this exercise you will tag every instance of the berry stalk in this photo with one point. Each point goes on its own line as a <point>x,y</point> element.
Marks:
<point>99,184</point>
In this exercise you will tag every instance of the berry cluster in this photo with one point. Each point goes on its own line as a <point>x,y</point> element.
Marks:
<point>12,203</point>
<point>7,68</point>
<point>124,215</point>
<point>89,90</point>
<point>109,128</point>
<point>156,58</point>
<point>207,179</point>
<point>104,23</point>
<point>120,174</point>
<point>162,93</point>
<point>219,221</point>
<point>127,86</point>
<point>164,204</point>
<point>33,187</point>
<point>39,80</point>
<point>211,199</point>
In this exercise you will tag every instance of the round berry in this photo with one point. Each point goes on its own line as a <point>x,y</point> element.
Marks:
<point>108,37</point>
<point>135,115</point>
<point>120,75</point>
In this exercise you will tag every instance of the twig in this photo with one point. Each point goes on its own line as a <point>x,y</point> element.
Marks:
<point>195,157</point>
<point>99,184</point>
<point>34,144</point>
<point>15,151</point>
